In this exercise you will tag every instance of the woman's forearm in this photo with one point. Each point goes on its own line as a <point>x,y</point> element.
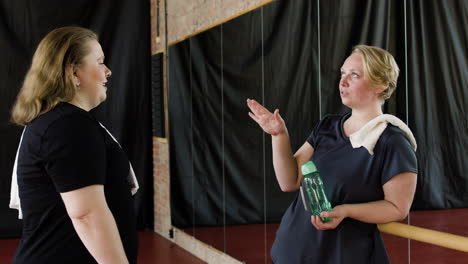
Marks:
<point>377,212</point>
<point>399,194</point>
<point>98,232</point>
<point>284,163</point>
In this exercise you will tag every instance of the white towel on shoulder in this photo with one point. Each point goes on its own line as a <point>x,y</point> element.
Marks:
<point>369,134</point>
<point>14,195</point>
<point>15,202</point>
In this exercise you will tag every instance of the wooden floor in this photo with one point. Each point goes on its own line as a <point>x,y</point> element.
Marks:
<point>153,248</point>
<point>251,243</point>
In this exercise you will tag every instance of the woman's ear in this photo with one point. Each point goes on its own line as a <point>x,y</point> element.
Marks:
<point>70,72</point>
<point>379,90</point>
<point>382,89</point>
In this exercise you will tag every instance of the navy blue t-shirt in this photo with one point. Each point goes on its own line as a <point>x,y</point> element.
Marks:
<point>63,150</point>
<point>350,176</point>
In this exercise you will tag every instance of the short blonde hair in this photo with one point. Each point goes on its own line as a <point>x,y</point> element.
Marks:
<point>380,68</point>
<point>48,82</point>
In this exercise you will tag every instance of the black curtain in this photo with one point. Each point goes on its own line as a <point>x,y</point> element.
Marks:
<point>344,24</point>
<point>438,100</point>
<point>287,55</point>
<point>124,32</point>
<point>220,159</point>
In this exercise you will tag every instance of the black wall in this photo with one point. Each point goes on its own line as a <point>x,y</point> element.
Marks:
<point>123,27</point>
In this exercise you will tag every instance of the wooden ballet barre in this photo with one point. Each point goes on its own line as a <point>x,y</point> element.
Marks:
<point>426,235</point>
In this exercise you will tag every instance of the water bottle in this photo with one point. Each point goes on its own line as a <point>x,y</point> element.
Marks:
<point>314,198</point>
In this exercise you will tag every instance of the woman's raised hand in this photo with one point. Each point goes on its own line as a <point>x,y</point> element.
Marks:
<point>271,123</point>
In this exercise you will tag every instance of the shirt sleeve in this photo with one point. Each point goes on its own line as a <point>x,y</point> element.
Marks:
<point>399,157</point>
<point>75,153</point>
<point>314,138</point>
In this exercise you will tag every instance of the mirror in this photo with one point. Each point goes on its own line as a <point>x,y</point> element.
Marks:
<point>286,55</point>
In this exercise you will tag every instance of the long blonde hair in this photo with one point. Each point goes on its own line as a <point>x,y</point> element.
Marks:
<point>380,68</point>
<point>48,81</point>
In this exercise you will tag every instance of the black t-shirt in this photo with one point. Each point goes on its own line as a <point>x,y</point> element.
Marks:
<point>63,150</point>
<point>349,176</point>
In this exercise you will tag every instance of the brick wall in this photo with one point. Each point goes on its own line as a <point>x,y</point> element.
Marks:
<point>162,209</point>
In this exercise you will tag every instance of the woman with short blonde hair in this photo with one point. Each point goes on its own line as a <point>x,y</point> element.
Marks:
<point>380,68</point>
<point>367,162</point>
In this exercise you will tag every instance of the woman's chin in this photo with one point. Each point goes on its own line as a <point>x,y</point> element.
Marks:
<point>103,97</point>
<point>100,100</point>
<point>344,101</point>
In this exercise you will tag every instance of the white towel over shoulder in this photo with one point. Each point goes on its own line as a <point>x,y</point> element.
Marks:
<point>370,133</point>
<point>15,202</point>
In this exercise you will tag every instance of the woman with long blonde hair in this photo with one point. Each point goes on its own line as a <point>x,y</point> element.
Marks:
<point>72,177</point>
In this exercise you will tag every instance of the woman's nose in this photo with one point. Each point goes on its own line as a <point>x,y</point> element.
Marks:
<point>344,81</point>
<point>108,72</point>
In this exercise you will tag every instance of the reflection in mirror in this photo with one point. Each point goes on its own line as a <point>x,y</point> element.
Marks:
<point>287,55</point>
<point>196,148</point>
<point>243,140</point>
<point>207,134</point>
<point>180,127</point>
